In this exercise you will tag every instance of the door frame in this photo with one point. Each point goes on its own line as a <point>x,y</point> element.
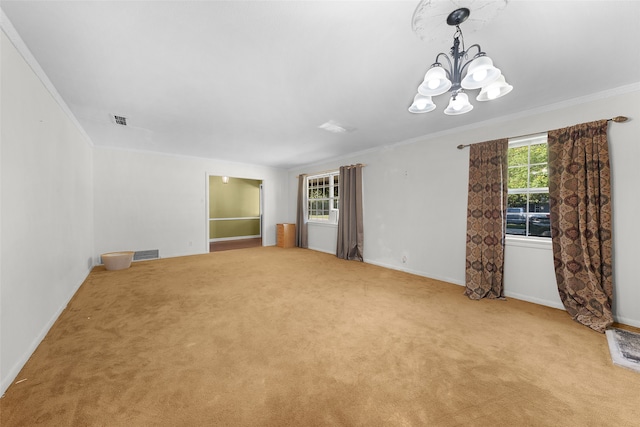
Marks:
<point>208,175</point>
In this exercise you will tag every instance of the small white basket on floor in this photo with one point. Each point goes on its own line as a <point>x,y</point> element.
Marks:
<point>117,260</point>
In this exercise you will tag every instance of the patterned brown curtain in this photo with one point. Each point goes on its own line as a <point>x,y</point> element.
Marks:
<point>486,208</point>
<point>302,240</point>
<point>580,206</point>
<point>350,221</point>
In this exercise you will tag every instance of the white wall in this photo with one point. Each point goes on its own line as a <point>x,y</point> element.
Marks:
<point>63,203</point>
<point>158,201</point>
<point>322,237</point>
<point>415,198</point>
<point>46,211</point>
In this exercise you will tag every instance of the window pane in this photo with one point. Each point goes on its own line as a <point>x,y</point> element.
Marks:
<point>538,153</point>
<point>516,214</point>
<point>518,177</point>
<point>538,203</point>
<point>519,156</point>
<point>517,202</point>
<point>322,196</point>
<point>539,176</point>
<point>528,212</point>
<point>539,225</point>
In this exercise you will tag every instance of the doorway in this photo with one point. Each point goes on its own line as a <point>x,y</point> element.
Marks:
<point>234,213</point>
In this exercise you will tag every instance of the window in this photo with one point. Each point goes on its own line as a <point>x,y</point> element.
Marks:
<point>528,198</point>
<point>322,197</point>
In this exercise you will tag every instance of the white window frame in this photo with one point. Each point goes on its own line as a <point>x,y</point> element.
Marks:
<point>332,199</point>
<point>525,240</point>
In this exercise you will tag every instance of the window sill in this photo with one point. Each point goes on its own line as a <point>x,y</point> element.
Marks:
<point>529,242</point>
<point>322,224</point>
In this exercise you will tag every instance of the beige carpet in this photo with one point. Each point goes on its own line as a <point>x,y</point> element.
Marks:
<point>292,337</point>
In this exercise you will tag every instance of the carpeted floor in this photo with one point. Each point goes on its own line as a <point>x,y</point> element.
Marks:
<point>293,337</point>
<point>229,245</point>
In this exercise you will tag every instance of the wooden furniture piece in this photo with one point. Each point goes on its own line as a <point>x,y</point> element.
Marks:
<point>286,237</point>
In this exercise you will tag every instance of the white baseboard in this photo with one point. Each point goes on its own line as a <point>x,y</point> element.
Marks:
<point>539,301</point>
<point>223,239</point>
<point>554,304</point>
<point>15,369</point>
<point>627,321</point>
<point>416,272</point>
<point>321,250</point>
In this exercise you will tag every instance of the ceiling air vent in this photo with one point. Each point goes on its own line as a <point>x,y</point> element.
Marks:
<point>120,120</point>
<point>335,127</point>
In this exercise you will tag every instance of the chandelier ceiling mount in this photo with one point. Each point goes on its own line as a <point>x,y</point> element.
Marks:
<point>458,16</point>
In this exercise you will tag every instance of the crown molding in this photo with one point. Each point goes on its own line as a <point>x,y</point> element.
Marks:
<point>622,90</point>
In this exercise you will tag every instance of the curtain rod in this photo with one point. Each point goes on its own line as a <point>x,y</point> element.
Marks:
<point>330,170</point>
<point>617,119</point>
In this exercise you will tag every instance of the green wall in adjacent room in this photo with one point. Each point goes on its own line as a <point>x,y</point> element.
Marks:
<point>239,198</point>
<point>235,228</point>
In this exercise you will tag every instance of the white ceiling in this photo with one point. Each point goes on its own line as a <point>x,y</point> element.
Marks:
<point>252,81</point>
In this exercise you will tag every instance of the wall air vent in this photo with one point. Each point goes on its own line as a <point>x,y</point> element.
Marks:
<point>120,120</point>
<point>148,254</point>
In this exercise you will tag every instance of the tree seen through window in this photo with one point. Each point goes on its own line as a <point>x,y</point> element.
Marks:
<point>528,187</point>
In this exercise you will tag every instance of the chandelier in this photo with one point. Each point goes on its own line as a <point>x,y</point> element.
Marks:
<point>462,73</point>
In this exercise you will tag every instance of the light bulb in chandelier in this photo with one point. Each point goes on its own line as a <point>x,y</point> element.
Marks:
<point>435,82</point>
<point>494,90</point>
<point>422,104</point>
<point>459,104</point>
<point>479,75</point>
<point>481,72</point>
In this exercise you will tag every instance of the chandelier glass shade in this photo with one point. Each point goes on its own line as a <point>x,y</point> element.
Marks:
<point>460,74</point>
<point>422,104</point>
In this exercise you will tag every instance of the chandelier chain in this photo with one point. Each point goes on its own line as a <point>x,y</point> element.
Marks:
<point>458,35</point>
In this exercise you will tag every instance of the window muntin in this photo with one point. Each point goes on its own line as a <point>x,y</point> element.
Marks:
<point>528,187</point>
<point>322,197</point>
